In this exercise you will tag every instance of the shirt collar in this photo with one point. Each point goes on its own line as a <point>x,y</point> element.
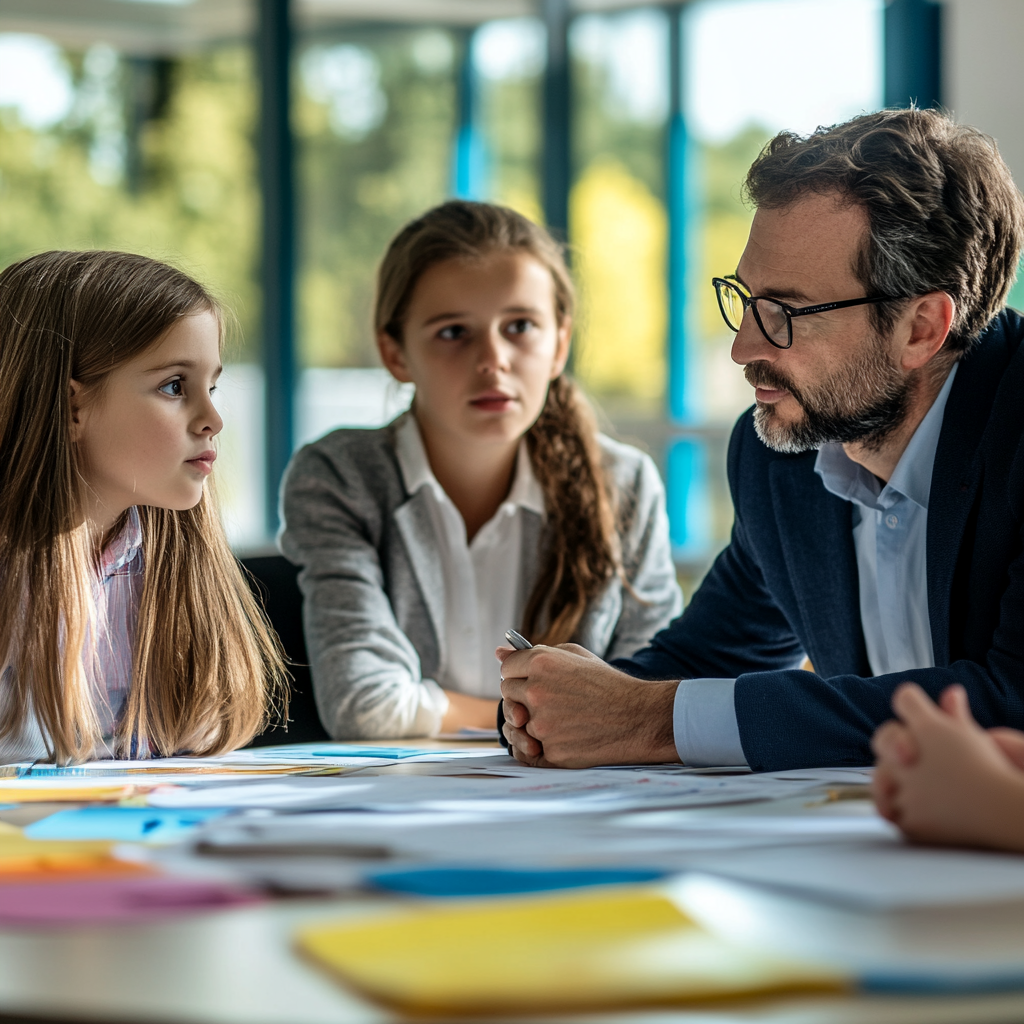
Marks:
<point>124,547</point>
<point>912,477</point>
<point>525,491</point>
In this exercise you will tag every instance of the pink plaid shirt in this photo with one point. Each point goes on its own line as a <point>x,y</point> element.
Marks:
<point>116,593</point>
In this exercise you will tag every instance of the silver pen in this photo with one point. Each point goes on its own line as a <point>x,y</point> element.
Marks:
<point>519,642</point>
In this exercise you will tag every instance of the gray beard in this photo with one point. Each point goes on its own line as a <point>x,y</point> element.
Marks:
<point>863,402</point>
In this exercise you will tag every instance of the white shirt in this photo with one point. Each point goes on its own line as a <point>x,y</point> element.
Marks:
<point>890,534</point>
<point>116,592</point>
<point>482,577</point>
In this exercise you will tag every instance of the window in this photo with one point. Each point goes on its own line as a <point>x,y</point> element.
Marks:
<point>139,135</point>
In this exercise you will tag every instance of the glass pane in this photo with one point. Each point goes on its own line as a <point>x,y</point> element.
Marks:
<point>136,134</point>
<point>508,60</point>
<point>374,119</point>
<point>733,105</point>
<point>618,222</point>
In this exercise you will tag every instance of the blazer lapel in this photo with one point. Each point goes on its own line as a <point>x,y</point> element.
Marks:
<point>417,530</point>
<point>956,476</point>
<point>816,534</point>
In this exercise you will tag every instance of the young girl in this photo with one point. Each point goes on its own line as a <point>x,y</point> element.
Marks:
<point>126,627</point>
<point>943,779</point>
<point>493,503</point>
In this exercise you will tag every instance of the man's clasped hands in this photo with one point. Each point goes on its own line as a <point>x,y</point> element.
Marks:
<point>939,776</point>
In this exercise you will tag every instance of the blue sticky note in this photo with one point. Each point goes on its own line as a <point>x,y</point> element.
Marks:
<point>391,753</point>
<point>967,980</point>
<point>122,824</point>
<point>300,750</point>
<point>458,881</point>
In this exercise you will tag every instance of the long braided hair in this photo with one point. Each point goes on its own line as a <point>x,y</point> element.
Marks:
<point>582,550</point>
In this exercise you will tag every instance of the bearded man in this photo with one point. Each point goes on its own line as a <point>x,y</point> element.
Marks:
<point>878,483</point>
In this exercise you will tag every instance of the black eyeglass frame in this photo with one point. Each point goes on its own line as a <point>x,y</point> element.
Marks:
<point>750,302</point>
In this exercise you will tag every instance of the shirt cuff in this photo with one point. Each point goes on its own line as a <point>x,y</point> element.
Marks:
<point>432,708</point>
<point>704,723</point>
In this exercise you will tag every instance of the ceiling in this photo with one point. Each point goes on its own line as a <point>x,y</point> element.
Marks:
<point>170,26</point>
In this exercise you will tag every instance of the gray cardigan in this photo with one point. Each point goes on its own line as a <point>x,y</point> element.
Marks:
<point>373,583</point>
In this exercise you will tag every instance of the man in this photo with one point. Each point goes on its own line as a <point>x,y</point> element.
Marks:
<point>878,483</point>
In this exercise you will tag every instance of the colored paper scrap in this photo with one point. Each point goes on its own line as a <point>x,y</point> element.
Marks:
<point>10,794</point>
<point>122,824</point>
<point>616,948</point>
<point>467,881</point>
<point>20,855</point>
<point>112,900</point>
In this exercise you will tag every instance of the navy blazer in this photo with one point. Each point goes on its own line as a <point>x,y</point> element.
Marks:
<point>787,583</point>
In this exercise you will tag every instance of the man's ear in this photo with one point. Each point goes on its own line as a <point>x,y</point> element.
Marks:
<point>75,398</point>
<point>562,349</point>
<point>930,318</point>
<point>392,355</point>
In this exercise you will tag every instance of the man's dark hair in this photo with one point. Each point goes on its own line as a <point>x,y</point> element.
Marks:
<point>944,212</point>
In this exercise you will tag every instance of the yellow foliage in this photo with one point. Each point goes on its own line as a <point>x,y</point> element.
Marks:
<point>619,232</point>
<point>522,201</point>
<point>725,235</point>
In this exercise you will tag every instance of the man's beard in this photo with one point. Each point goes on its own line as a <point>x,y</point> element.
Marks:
<point>864,402</point>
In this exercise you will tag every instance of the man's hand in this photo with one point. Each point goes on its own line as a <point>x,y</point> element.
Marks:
<point>565,708</point>
<point>943,779</point>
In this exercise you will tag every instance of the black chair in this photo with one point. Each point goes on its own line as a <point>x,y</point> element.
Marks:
<point>274,581</point>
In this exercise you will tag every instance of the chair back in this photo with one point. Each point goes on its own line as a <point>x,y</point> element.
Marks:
<point>274,580</point>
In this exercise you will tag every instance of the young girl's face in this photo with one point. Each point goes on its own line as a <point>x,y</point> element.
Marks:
<point>481,342</point>
<point>145,434</point>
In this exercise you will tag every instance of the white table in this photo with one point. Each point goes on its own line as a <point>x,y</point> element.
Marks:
<point>239,967</point>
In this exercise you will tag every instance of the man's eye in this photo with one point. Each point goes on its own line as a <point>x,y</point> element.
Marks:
<point>173,388</point>
<point>521,326</point>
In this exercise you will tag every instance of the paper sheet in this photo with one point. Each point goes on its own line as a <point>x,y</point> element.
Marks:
<point>556,792</point>
<point>879,874</point>
<point>420,837</point>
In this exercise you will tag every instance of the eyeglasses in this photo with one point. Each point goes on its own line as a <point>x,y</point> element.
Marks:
<point>773,317</point>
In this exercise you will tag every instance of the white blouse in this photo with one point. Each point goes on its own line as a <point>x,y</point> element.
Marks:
<point>481,578</point>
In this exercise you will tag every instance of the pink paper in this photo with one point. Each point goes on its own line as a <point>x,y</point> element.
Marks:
<point>109,900</point>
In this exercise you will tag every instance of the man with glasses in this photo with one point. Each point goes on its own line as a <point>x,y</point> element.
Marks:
<point>878,482</point>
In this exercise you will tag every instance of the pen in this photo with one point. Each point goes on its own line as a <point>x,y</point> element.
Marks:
<point>519,642</point>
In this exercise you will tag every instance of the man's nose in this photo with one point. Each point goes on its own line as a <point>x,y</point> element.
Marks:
<point>750,345</point>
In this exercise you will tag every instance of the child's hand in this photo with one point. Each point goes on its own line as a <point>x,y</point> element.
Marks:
<point>943,779</point>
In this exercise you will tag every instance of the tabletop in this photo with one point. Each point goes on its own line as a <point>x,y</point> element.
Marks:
<point>240,966</point>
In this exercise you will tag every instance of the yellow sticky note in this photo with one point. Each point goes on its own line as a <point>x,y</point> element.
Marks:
<point>616,948</point>
<point>84,794</point>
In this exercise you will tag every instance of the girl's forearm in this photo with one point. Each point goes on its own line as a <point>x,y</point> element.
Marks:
<point>465,711</point>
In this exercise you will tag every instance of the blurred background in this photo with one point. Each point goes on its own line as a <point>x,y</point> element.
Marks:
<point>272,148</point>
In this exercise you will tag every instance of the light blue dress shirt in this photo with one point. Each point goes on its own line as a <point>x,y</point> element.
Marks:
<point>890,532</point>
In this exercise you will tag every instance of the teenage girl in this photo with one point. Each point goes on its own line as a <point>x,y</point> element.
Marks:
<point>493,503</point>
<point>126,627</point>
<point>943,779</point>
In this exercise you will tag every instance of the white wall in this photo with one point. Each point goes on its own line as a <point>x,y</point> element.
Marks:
<point>984,71</point>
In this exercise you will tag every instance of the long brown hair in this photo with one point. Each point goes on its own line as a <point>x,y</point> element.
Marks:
<point>583,550</point>
<point>207,669</point>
